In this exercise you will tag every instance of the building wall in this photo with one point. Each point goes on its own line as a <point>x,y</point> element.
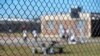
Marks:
<point>17,26</point>
<point>66,21</point>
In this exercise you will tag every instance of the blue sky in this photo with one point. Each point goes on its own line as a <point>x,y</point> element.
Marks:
<point>35,8</point>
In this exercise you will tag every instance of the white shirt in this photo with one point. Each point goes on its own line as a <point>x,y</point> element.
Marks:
<point>51,50</point>
<point>24,33</point>
<point>71,34</point>
<point>34,33</point>
<point>72,37</point>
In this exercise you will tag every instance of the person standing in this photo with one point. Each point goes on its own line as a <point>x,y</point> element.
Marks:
<point>67,34</point>
<point>61,31</point>
<point>44,49</point>
<point>71,36</point>
<point>80,27</point>
<point>72,39</point>
<point>35,35</point>
<point>25,34</point>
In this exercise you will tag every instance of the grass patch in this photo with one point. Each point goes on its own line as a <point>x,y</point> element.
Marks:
<point>13,35</point>
<point>83,50</point>
<point>15,51</point>
<point>92,49</point>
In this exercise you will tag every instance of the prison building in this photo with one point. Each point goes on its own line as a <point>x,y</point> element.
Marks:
<point>15,24</point>
<point>50,24</point>
<point>95,24</point>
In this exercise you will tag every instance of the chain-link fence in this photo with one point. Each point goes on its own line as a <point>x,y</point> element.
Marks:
<point>49,27</point>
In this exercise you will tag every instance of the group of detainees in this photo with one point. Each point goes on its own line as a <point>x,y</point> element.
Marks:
<point>65,34</point>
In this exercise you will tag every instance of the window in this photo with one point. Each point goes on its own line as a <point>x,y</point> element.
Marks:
<point>50,24</point>
<point>80,24</point>
<point>75,12</point>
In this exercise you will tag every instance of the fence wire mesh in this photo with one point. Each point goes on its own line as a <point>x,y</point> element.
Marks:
<point>49,27</point>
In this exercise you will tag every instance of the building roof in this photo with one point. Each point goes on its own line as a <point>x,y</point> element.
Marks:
<point>95,15</point>
<point>84,16</point>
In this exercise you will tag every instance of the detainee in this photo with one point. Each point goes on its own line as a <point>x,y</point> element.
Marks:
<point>43,46</point>
<point>71,36</point>
<point>25,34</point>
<point>35,35</point>
<point>61,31</point>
